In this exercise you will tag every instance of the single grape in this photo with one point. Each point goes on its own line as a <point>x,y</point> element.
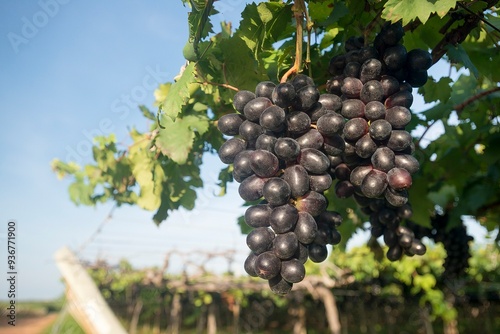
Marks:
<point>334,85</point>
<point>396,198</point>
<point>342,171</point>
<point>334,145</point>
<point>273,118</point>
<point>249,264</point>
<point>344,189</point>
<point>231,148</point>
<point>283,218</point>
<point>317,253</point>
<point>306,97</point>
<point>267,265</point>
<point>330,102</point>
<point>265,89</point>
<point>314,161</point>
<point>255,107</point>
<point>320,183</point>
<point>298,123</point>
<point>287,149</point>
<point>300,81</point>
<point>380,129</point>
<point>241,165</point>
<point>260,240</point>
<point>398,117</point>
<point>258,215</point>
<point>417,78</point>
<point>402,98</point>
<point>283,95</point>
<point>395,57</point>
<point>407,162</point>
<point>265,142</point>
<point>250,131</point>
<point>370,70</point>
<point>316,111</point>
<point>276,191</point>
<point>390,85</point>
<point>351,87</point>
<point>264,163</point>
<point>241,98</point>
<point>374,110</point>
<point>399,140</point>
<point>230,124</point>
<point>352,108</point>
<point>399,178</point>
<point>374,184</point>
<point>418,60</point>
<point>365,146</point>
<point>331,123</point>
<point>355,128</point>
<point>280,286</point>
<point>311,139</point>
<point>298,179</point>
<point>358,174</point>
<point>383,159</point>
<point>394,253</point>
<point>352,69</point>
<point>306,228</point>
<point>312,202</point>
<point>372,91</point>
<point>405,240</point>
<point>285,245</point>
<point>250,189</point>
<point>293,271</point>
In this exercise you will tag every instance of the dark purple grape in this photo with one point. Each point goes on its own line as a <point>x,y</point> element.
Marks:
<point>387,216</point>
<point>358,174</point>
<point>394,253</point>
<point>337,64</point>
<point>351,87</point>
<point>342,172</point>
<point>344,189</point>
<point>283,95</point>
<point>306,228</point>
<point>306,97</point>
<point>417,78</point>
<point>258,215</point>
<point>311,139</point>
<point>334,85</point>
<point>250,189</point>
<point>287,149</point>
<point>255,107</point>
<point>395,57</point>
<point>265,89</point>
<point>401,98</point>
<point>267,265</point>
<point>366,53</point>
<point>250,131</point>
<point>405,211</point>
<point>352,108</point>
<point>352,69</point>
<point>298,123</point>
<point>312,202</point>
<point>374,184</point>
<point>352,56</point>
<point>332,219</point>
<point>317,253</point>
<point>231,148</point>
<point>417,247</point>
<point>392,33</point>
<point>374,110</point>
<point>265,142</point>
<point>264,163</point>
<point>301,80</point>
<point>418,60</point>
<point>383,159</point>
<point>405,240</point>
<point>283,218</point>
<point>285,245</point>
<point>335,237</point>
<point>273,118</point>
<point>293,271</point>
<point>314,161</point>
<point>399,178</point>
<point>370,70</point>
<point>335,161</point>
<point>365,146</point>
<point>331,123</point>
<point>334,145</point>
<point>400,230</point>
<point>372,91</point>
<point>320,183</point>
<point>396,198</point>
<point>302,254</point>
<point>380,129</point>
<point>355,128</point>
<point>230,124</point>
<point>377,230</point>
<point>316,111</point>
<point>407,162</point>
<point>280,286</point>
<point>260,240</point>
<point>276,191</point>
<point>390,237</point>
<point>298,179</point>
<point>241,98</point>
<point>354,43</point>
<point>398,116</point>
<point>249,264</point>
<point>390,85</point>
<point>399,140</point>
<point>241,166</point>
<point>330,102</point>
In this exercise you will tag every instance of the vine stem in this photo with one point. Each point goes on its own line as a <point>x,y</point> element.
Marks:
<point>461,106</point>
<point>299,8</point>
<point>218,84</point>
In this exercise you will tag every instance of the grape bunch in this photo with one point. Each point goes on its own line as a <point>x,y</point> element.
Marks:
<point>455,242</point>
<point>374,83</point>
<point>282,140</point>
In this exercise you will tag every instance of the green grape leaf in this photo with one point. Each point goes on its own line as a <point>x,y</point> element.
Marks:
<point>178,94</point>
<point>147,113</point>
<point>409,10</point>
<point>175,139</point>
<point>437,91</point>
<point>458,54</point>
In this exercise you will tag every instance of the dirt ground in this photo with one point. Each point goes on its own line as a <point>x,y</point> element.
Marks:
<point>33,325</point>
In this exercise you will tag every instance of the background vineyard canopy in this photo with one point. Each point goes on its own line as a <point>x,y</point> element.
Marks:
<point>460,170</point>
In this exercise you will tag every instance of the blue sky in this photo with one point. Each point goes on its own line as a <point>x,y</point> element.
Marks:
<point>71,70</point>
